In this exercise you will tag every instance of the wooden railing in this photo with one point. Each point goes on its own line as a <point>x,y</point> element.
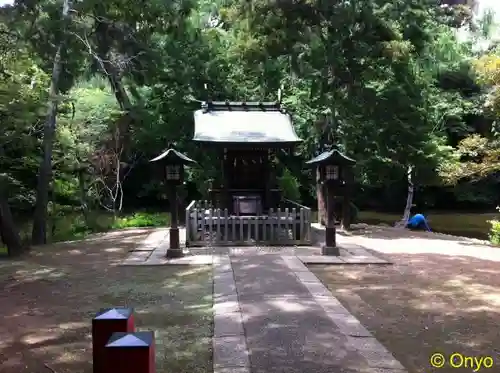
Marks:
<point>208,226</point>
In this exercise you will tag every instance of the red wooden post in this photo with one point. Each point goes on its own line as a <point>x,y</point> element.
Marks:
<point>131,353</point>
<point>104,324</point>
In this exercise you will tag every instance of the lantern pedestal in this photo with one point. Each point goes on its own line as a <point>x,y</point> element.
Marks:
<point>174,250</point>
<point>330,247</point>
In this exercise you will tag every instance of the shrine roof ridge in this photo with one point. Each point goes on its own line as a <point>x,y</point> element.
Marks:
<point>243,106</point>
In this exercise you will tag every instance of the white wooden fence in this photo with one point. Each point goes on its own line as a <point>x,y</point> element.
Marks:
<point>208,226</point>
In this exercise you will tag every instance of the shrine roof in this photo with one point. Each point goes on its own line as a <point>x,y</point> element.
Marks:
<point>244,122</point>
<point>172,155</point>
<point>333,156</point>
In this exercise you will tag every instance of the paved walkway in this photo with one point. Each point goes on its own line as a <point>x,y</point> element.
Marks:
<point>271,314</point>
<point>153,249</point>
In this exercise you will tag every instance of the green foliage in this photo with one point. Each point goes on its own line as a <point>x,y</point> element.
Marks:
<point>390,84</point>
<point>141,219</point>
<point>70,225</point>
<point>289,185</point>
<point>495,232</point>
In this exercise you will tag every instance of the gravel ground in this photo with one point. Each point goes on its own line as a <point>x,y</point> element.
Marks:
<point>442,295</point>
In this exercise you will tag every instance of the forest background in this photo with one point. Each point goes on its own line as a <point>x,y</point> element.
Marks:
<point>91,90</point>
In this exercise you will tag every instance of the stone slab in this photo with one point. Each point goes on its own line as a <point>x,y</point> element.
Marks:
<point>375,353</point>
<point>349,325</point>
<point>228,324</point>
<point>317,289</point>
<point>230,351</point>
<point>265,276</point>
<point>332,305</point>
<point>307,277</point>
<point>136,258</point>
<point>284,312</point>
<point>191,260</point>
<point>153,239</point>
<point>221,260</point>
<point>218,298</point>
<point>224,284</point>
<point>316,259</point>
<point>295,264</point>
<point>226,305</point>
<point>311,343</point>
<point>221,264</point>
<point>233,370</point>
<point>356,250</point>
<point>144,248</point>
<point>364,259</point>
<point>154,260</point>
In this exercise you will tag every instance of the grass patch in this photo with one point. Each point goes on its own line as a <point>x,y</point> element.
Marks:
<point>472,225</point>
<point>142,219</point>
<point>75,282</point>
<point>3,250</point>
<point>70,226</point>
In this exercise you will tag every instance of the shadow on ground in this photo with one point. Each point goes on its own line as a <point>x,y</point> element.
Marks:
<point>423,304</point>
<point>285,328</point>
<point>51,295</point>
<point>392,233</point>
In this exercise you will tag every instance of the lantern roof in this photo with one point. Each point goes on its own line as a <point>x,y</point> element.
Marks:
<point>244,123</point>
<point>173,156</point>
<point>333,157</point>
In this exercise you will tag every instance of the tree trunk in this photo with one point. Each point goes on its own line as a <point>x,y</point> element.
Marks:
<point>104,43</point>
<point>39,232</point>
<point>83,197</point>
<point>320,195</point>
<point>8,230</point>
<point>409,199</point>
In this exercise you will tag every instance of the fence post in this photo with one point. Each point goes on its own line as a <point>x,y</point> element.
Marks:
<point>131,353</point>
<point>104,324</point>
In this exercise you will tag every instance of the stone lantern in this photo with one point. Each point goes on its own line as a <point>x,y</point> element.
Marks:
<point>173,164</point>
<point>334,170</point>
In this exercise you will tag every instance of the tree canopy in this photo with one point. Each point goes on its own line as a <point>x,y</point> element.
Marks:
<point>91,90</point>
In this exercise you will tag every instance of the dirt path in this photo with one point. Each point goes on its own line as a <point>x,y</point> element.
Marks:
<point>50,297</point>
<point>441,295</point>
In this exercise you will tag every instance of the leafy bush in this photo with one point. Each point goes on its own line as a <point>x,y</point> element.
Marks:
<point>71,226</point>
<point>495,232</point>
<point>289,185</point>
<point>142,219</point>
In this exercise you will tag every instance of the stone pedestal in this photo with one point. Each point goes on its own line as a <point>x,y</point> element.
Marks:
<point>174,250</point>
<point>104,324</point>
<point>131,353</point>
<point>330,250</point>
<point>331,235</point>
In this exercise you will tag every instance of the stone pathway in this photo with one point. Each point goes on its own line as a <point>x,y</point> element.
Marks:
<point>271,314</point>
<point>154,248</point>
